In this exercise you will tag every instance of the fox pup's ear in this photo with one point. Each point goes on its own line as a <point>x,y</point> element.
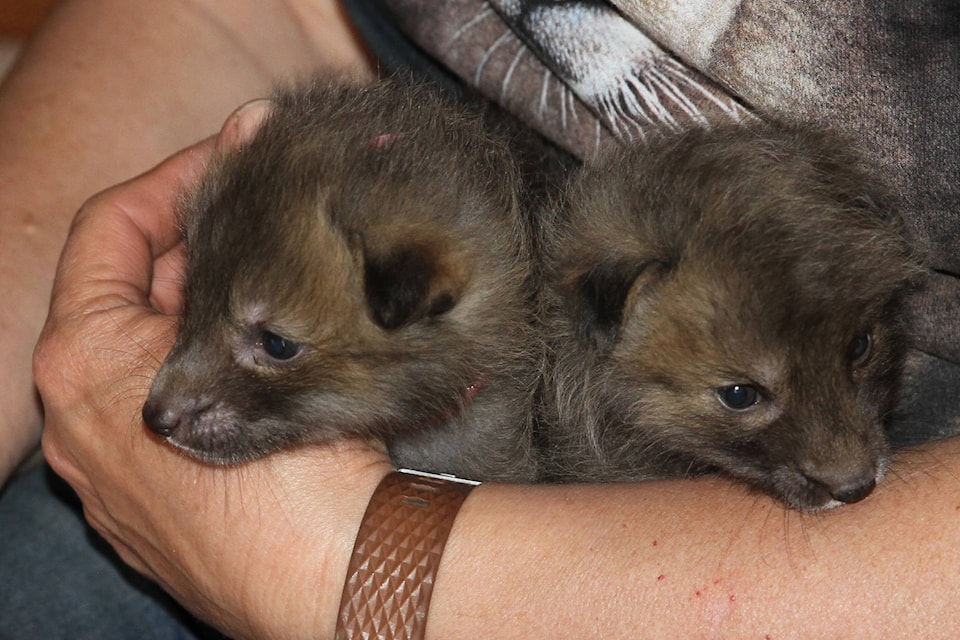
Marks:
<point>407,284</point>
<point>598,296</point>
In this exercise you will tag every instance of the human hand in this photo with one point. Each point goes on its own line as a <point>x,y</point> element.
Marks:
<point>259,550</point>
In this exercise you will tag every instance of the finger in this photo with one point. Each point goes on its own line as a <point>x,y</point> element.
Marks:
<point>125,551</point>
<point>166,287</point>
<point>117,235</point>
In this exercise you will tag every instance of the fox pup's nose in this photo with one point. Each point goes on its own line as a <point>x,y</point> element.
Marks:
<point>847,486</point>
<point>162,420</point>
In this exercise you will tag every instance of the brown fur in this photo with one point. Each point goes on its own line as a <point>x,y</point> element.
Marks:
<point>752,255</point>
<point>400,265</point>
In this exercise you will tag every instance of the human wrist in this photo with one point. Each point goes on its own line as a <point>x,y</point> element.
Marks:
<point>326,518</point>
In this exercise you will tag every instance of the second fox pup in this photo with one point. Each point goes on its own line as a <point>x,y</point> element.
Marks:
<point>359,268</point>
<point>729,302</point>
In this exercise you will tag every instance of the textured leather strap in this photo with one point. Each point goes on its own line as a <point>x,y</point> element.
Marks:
<point>395,559</point>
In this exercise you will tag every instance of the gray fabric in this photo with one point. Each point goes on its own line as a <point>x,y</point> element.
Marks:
<point>61,580</point>
<point>589,74</point>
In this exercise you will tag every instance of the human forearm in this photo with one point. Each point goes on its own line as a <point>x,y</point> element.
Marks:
<point>109,87</point>
<point>105,90</point>
<point>704,559</point>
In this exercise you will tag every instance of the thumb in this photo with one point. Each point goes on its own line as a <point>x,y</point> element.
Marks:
<point>242,124</point>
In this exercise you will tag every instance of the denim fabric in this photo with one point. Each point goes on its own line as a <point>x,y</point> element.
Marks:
<point>59,579</point>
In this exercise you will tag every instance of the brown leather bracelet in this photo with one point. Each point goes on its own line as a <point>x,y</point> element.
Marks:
<point>391,574</point>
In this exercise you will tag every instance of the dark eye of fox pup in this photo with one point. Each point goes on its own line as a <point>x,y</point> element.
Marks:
<point>738,397</point>
<point>278,347</point>
<point>859,348</point>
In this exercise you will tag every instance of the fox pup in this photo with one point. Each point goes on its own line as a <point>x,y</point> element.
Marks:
<point>361,268</point>
<point>726,301</point>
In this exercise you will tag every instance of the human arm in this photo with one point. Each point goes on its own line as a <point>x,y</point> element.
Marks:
<point>104,90</point>
<point>261,549</point>
<point>703,558</point>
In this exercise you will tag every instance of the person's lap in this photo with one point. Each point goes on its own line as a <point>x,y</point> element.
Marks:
<point>59,579</point>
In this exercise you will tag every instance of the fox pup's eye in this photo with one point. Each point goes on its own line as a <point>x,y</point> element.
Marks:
<point>859,348</point>
<point>738,397</point>
<point>278,347</point>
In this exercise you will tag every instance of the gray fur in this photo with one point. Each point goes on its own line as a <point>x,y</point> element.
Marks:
<point>379,229</point>
<point>752,255</point>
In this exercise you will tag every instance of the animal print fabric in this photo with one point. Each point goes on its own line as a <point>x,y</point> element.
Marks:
<point>590,73</point>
